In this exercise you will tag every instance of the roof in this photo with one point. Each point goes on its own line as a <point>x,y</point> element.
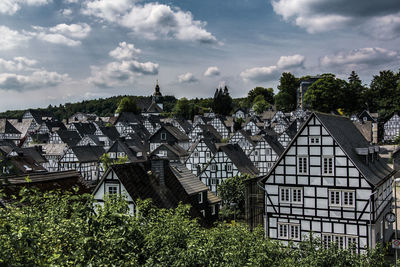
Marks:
<point>154,108</point>
<point>84,128</point>
<point>291,131</point>
<point>54,149</point>
<point>239,158</point>
<point>120,146</point>
<point>175,148</point>
<point>111,132</point>
<point>64,180</point>
<point>348,137</point>
<point>22,125</point>
<point>209,131</point>
<point>71,138</point>
<point>39,114</point>
<point>7,127</point>
<point>35,153</point>
<point>188,180</point>
<point>54,125</point>
<point>274,144</point>
<point>175,132</point>
<point>88,153</point>
<point>128,117</point>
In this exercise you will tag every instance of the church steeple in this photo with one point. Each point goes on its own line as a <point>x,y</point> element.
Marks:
<point>157,90</point>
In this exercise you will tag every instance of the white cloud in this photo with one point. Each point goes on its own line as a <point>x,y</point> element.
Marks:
<point>37,79</point>
<point>66,12</point>
<point>124,51</point>
<point>264,74</point>
<point>212,71</point>
<point>118,73</point>
<point>57,38</point>
<point>71,1</point>
<point>10,7</point>
<point>382,16</point>
<point>17,64</point>
<point>10,39</point>
<point>187,78</point>
<point>151,20</point>
<point>294,61</point>
<point>364,56</point>
<point>78,31</point>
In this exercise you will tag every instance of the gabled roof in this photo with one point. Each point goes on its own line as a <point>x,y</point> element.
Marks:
<point>88,153</point>
<point>274,144</point>
<point>175,148</point>
<point>291,131</point>
<point>239,158</point>
<point>128,117</point>
<point>120,146</point>
<point>35,153</point>
<point>186,126</point>
<point>111,132</point>
<point>71,138</point>
<point>54,125</point>
<point>346,135</point>
<point>210,132</point>
<point>175,132</point>
<point>39,114</point>
<point>22,125</point>
<point>84,128</point>
<point>7,128</point>
<point>154,108</point>
<point>55,149</point>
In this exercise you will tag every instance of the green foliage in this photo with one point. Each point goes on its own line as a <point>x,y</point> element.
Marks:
<point>353,95</point>
<point>286,98</point>
<point>222,102</point>
<point>232,190</point>
<point>260,106</point>
<point>237,124</point>
<point>266,93</point>
<point>66,229</point>
<point>326,94</point>
<point>107,162</point>
<point>127,104</point>
<point>185,109</point>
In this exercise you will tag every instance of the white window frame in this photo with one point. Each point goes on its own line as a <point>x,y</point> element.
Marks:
<point>213,167</point>
<point>342,193</point>
<point>108,186</point>
<point>196,154</point>
<point>330,165</point>
<point>229,167</point>
<point>343,241</point>
<point>290,231</point>
<point>213,209</point>
<point>290,195</point>
<point>200,196</point>
<point>314,140</point>
<point>302,164</point>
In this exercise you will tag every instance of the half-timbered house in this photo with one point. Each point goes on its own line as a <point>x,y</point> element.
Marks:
<point>203,131</point>
<point>8,132</point>
<point>174,152</point>
<point>171,135</point>
<point>392,128</point>
<point>243,139</point>
<point>288,134</point>
<point>331,183</point>
<point>228,161</point>
<point>200,154</point>
<point>219,124</point>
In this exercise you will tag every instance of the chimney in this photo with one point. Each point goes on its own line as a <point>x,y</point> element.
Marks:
<point>158,169</point>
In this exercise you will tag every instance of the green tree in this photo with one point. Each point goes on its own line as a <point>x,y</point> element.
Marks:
<point>266,93</point>
<point>107,162</point>
<point>286,98</point>
<point>354,95</point>
<point>326,94</point>
<point>222,103</point>
<point>260,106</point>
<point>127,104</point>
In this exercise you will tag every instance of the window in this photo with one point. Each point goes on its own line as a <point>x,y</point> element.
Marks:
<point>163,136</point>
<point>342,198</point>
<point>196,154</point>
<point>213,167</point>
<point>163,153</point>
<point>256,153</point>
<point>291,195</point>
<point>302,165</point>
<point>269,165</point>
<point>327,167</point>
<point>200,198</point>
<point>342,241</point>
<point>208,155</point>
<point>112,189</point>
<point>314,140</point>
<point>229,167</point>
<point>289,231</point>
<point>213,209</point>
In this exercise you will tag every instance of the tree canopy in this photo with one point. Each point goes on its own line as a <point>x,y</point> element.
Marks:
<point>286,98</point>
<point>67,229</point>
<point>266,93</point>
<point>127,104</point>
<point>222,102</point>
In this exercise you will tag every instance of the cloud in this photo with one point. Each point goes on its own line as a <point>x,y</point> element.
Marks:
<point>295,61</point>
<point>212,71</point>
<point>63,34</point>
<point>265,74</point>
<point>151,20</point>
<point>326,15</point>
<point>10,7</point>
<point>364,56</point>
<point>66,12</point>
<point>124,51</point>
<point>121,72</point>
<point>10,39</point>
<point>78,31</point>
<point>17,64</point>
<point>36,80</point>
<point>187,78</point>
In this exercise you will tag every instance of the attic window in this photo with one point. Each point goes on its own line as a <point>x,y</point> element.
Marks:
<point>196,154</point>
<point>315,140</point>
<point>163,136</point>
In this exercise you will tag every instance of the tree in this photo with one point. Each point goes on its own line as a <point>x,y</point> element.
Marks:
<point>260,106</point>
<point>286,98</point>
<point>266,93</point>
<point>222,103</point>
<point>127,104</point>
<point>107,162</point>
<point>326,94</point>
<point>185,109</point>
<point>354,95</point>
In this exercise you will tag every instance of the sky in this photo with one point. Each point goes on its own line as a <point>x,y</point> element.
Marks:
<point>58,51</point>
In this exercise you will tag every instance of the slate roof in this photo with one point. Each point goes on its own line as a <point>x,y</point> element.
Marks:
<point>54,149</point>
<point>128,117</point>
<point>175,148</point>
<point>348,137</point>
<point>274,144</point>
<point>120,146</point>
<point>84,128</point>
<point>64,180</point>
<point>71,138</point>
<point>189,181</point>
<point>22,125</point>
<point>143,103</point>
<point>209,131</point>
<point>175,132</point>
<point>7,127</point>
<point>110,132</point>
<point>39,114</point>
<point>54,125</point>
<point>154,108</point>
<point>88,153</point>
<point>35,153</point>
<point>291,131</point>
<point>184,124</point>
<point>239,158</point>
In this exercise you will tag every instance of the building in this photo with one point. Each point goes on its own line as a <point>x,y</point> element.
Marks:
<point>8,132</point>
<point>171,135</point>
<point>392,128</point>
<point>301,91</point>
<point>329,182</point>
